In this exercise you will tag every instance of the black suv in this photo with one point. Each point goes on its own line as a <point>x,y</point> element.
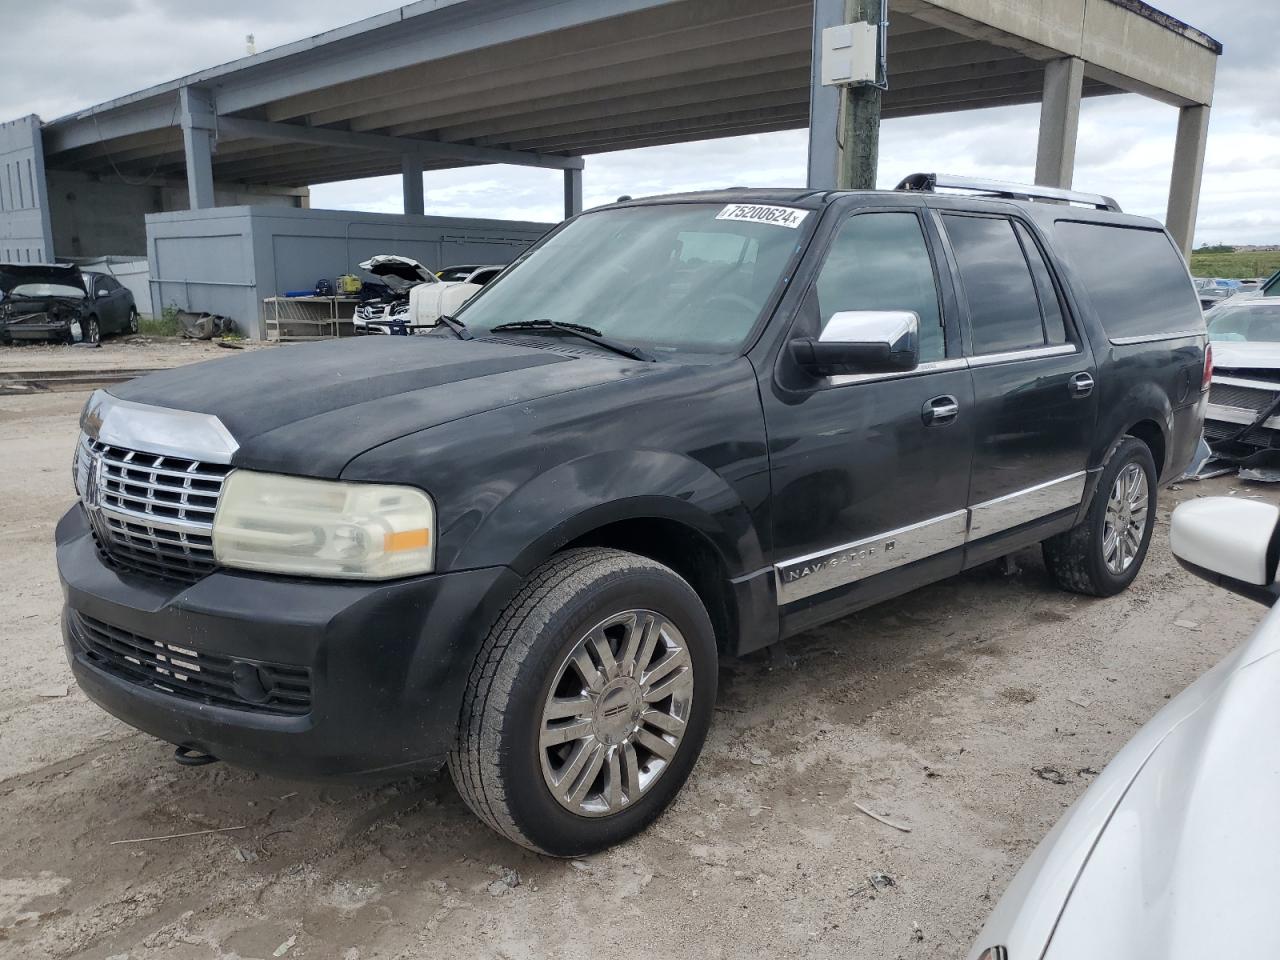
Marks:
<point>675,427</point>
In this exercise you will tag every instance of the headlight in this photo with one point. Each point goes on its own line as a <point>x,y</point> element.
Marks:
<point>323,528</point>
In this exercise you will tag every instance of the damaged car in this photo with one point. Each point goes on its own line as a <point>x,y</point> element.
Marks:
<point>416,300</point>
<point>53,301</point>
<point>1243,416</point>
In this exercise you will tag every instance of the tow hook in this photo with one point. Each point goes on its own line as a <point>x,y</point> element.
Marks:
<point>192,758</point>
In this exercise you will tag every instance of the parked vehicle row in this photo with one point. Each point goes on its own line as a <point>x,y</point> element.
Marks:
<point>48,301</point>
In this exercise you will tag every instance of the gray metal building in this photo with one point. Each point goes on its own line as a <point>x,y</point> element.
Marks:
<point>544,83</point>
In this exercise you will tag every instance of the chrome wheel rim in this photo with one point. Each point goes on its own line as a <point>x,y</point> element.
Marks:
<point>616,713</point>
<point>1126,519</point>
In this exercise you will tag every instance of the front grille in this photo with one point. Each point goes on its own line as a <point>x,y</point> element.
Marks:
<point>202,677</point>
<point>1246,398</point>
<point>151,514</point>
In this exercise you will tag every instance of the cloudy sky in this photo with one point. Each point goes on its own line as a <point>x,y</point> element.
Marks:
<point>76,48</point>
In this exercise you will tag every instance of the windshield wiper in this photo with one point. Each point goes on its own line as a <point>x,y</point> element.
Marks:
<point>590,334</point>
<point>457,326</point>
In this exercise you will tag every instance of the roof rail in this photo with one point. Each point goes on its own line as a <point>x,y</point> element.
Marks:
<point>930,182</point>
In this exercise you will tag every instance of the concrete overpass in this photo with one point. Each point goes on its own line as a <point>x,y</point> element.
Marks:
<point>544,83</point>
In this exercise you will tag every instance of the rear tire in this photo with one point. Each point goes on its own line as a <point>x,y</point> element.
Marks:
<point>1101,556</point>
<point>588,703</point>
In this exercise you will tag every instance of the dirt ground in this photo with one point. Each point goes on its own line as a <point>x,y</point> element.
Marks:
<point>975,711</point>
<point>130,352</point>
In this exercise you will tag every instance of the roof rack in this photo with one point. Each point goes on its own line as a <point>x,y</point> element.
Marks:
<point>931,182</point>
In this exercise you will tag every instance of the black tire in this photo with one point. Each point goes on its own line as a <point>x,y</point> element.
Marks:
<point>1076,558</point>
<point>92,331</point>
<point>133,320</point>
<point>497,760</point>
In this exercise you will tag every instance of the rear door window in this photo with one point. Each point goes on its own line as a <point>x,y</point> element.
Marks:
<point>1055,324</point>
<point>1135,278</point>
<point>1004,309</point>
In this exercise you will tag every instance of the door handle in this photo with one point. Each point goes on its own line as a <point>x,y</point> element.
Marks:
<point>1081,385</point>
<point>940,411</point>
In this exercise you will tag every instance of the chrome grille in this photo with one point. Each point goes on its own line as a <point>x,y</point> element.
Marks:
<point>150,513</point>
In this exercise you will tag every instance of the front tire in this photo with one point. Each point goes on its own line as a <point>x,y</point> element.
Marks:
<point>1101,556</point>
<point>133,320</point>
<point>92,332</point>
<point>588,703</point>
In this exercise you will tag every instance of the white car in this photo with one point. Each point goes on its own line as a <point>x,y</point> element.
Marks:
<point>1172,852</point>
<point>418,297</point>
<point>478,273</point>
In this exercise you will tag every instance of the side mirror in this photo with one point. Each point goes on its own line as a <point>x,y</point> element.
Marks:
<point>103,293</point>
<point>862,341</point>
<point>1231,543</point>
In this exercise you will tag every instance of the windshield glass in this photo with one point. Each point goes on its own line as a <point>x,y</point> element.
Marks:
<point>671,277</point>
<point>1241,323</point>
<point>47,290</point>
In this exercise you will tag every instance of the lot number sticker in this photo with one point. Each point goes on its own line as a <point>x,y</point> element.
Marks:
<point>758,213</point>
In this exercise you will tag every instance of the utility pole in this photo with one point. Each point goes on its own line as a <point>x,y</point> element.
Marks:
<point>860,116</point>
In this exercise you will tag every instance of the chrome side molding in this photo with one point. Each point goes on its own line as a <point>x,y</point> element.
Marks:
<point>814,573</point>
<point>159,430</point>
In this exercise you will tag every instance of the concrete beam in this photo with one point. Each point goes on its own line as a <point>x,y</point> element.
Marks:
<point>1188,171</point>
<point>572,193</point>
<point>197,120</point>
<point>411,175</point>
<point>1059,122</point>
<point>427,149</point>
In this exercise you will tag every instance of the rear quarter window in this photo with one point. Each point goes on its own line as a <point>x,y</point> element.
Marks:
<point>1135,278</point>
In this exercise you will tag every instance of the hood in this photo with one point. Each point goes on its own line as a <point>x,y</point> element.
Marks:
<point>1237,354</point>
<point>310,409</point>
<point>1161,854</point>
<point>398,272</point>
<point>1185,869</point>
<point>40,279</point>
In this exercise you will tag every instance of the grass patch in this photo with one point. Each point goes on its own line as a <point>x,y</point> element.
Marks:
<point>1237,266</point>
<point>163,326</point>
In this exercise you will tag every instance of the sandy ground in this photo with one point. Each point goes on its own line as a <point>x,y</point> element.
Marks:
<point>937,710</point>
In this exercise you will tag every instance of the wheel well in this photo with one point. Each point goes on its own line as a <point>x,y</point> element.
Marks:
<point>684,550</point>
<point>1150,433</point>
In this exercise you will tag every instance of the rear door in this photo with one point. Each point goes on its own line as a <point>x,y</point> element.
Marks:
<point>1034,382</point>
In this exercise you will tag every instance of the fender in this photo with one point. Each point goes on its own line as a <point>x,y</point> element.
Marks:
<point>1142,401</point>
<point>581,495</point>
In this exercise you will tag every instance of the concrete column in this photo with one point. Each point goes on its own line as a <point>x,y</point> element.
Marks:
<point>1188,171</point>
<point>411,174</point>
<point>824,103</point>
<point>572,192</point>
<point>1059,122</point>
<point>199,127</point>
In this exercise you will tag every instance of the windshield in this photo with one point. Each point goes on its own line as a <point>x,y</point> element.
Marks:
<point>33,290</point>
<point>671,277</point>
<point>1244,323</point>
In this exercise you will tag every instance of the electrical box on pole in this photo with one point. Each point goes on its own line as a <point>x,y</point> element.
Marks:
<point>851,55</point>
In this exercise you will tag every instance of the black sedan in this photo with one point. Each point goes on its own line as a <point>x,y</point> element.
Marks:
<point>40,301</point>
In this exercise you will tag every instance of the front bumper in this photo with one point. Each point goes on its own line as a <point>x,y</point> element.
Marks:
<point>387,661</point>
<point>57,330</point>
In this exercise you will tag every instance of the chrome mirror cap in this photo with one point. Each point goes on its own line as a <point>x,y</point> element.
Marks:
<point>899,330</point>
